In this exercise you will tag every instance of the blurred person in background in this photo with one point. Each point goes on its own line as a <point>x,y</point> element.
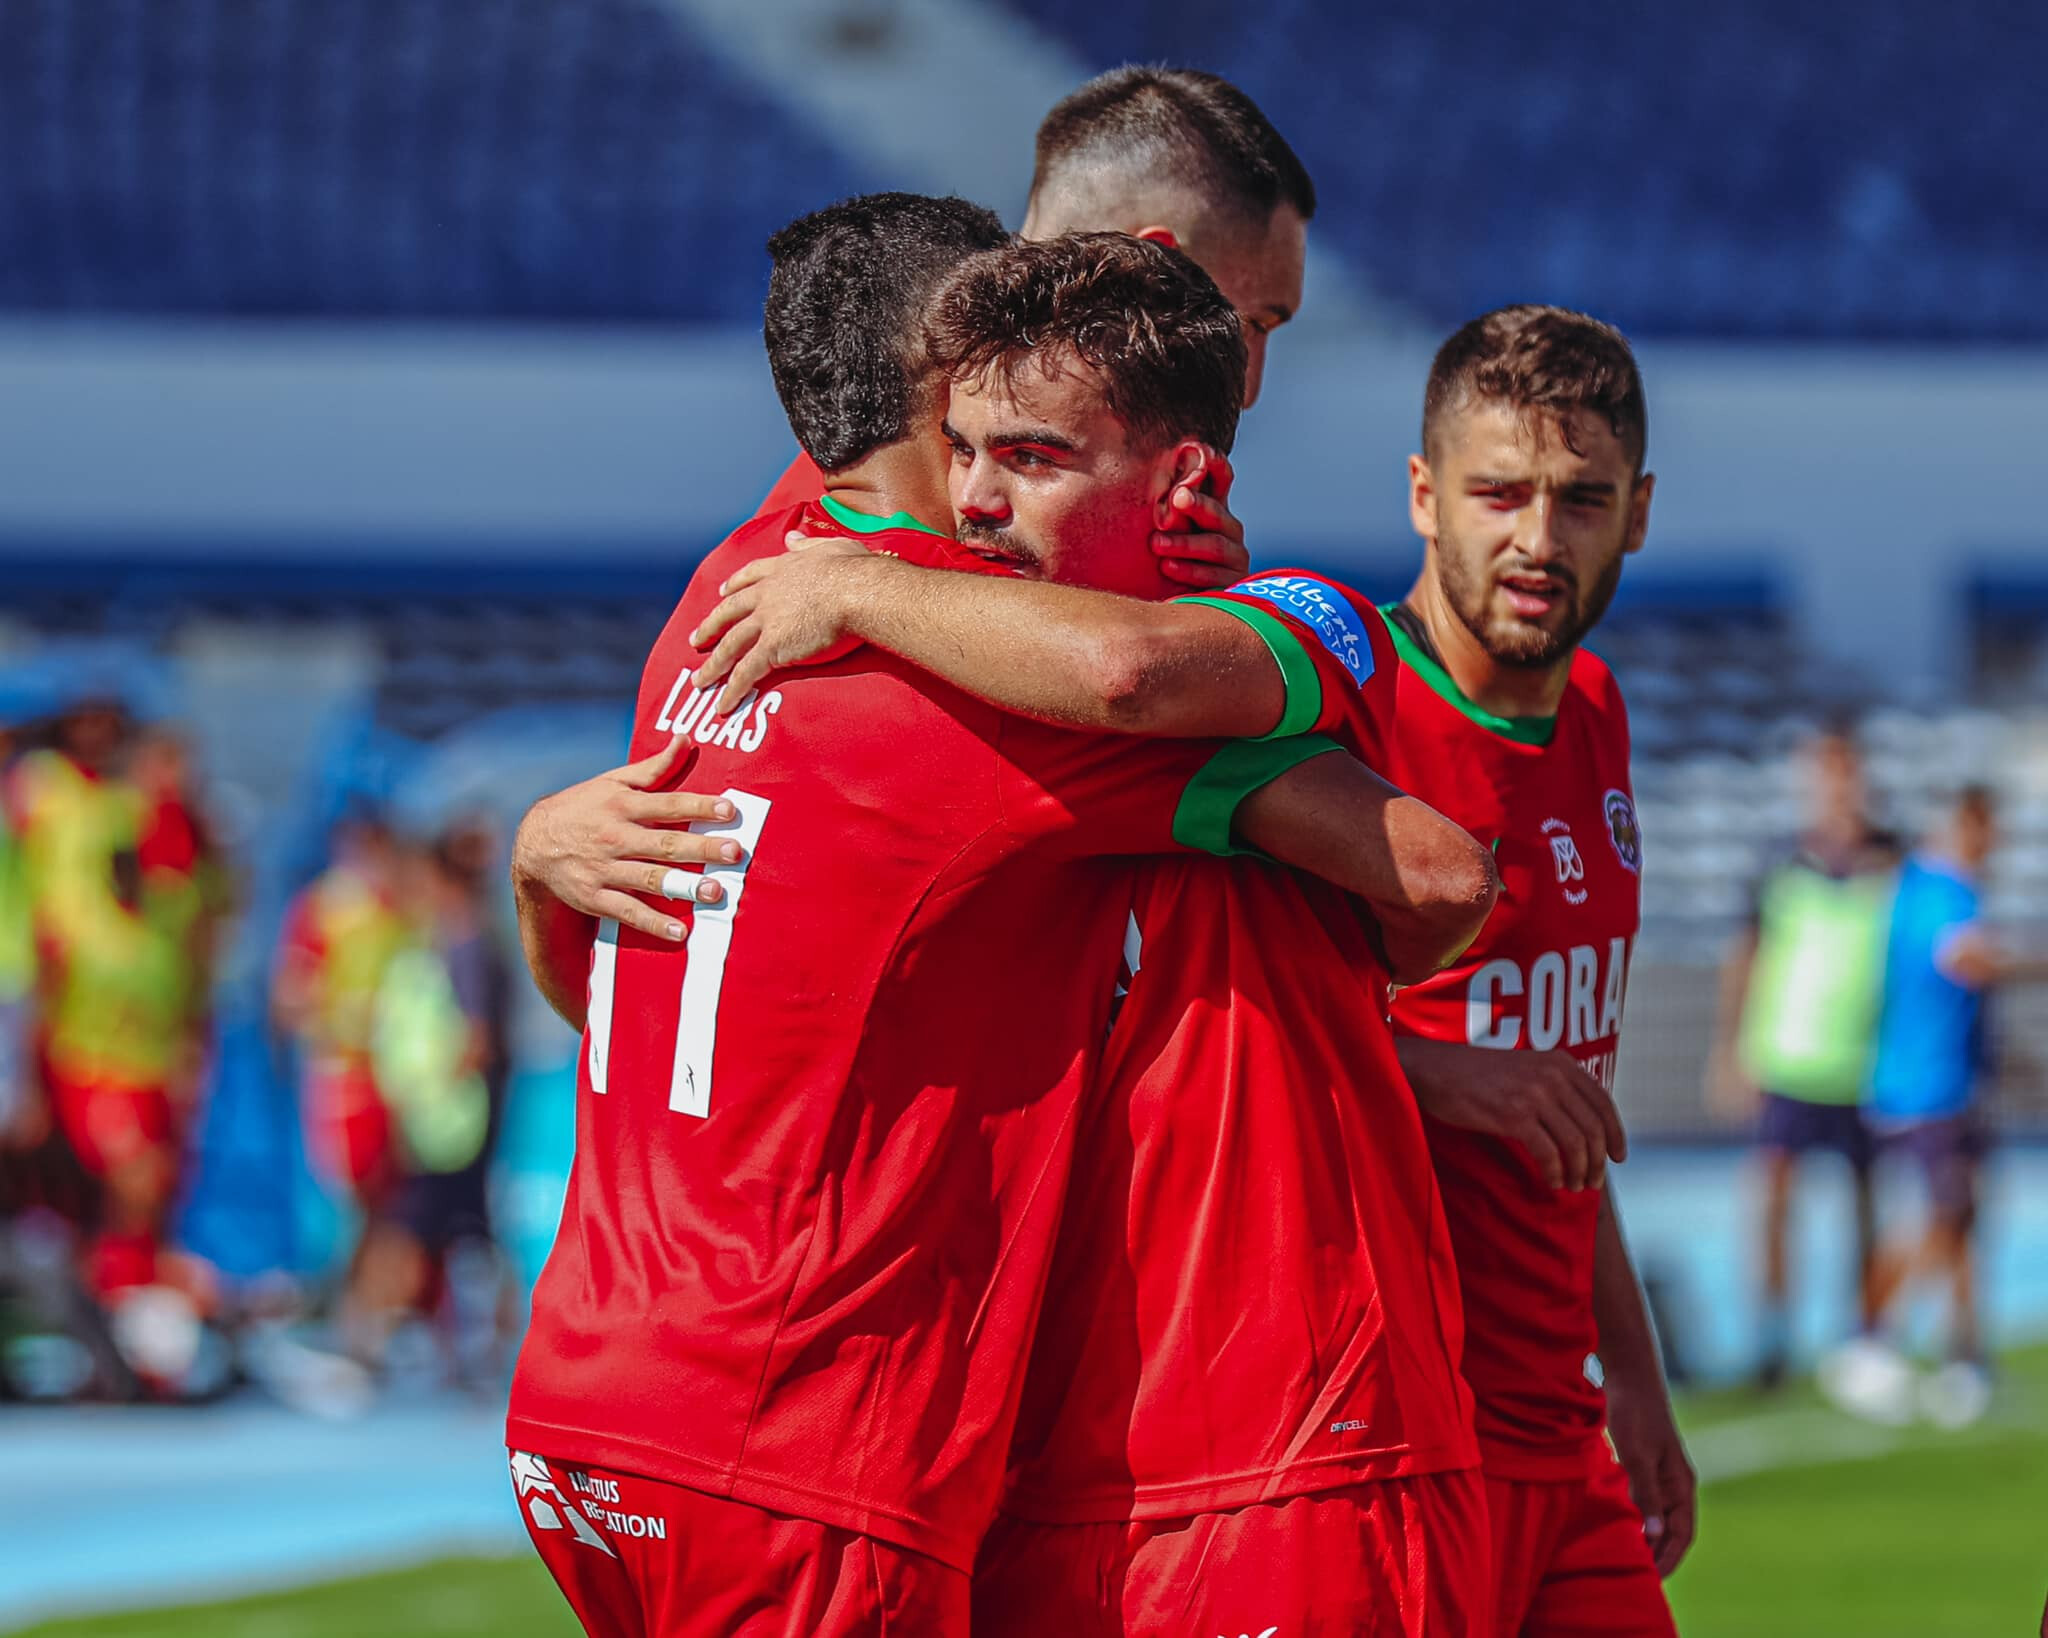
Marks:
<point>185,882</point>
<point>340,935</point>
<point>114,1045</point>
<point>1933,1061</point>
<point>1798,1016</point>
<point>440,1043</point>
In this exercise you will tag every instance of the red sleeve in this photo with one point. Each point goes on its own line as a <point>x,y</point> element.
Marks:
<point>1102,794</point>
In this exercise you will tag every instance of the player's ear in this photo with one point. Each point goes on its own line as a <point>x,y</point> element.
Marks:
<point>1159,234</point>
<point>1186,462</point>
<point>1421,497</point>
<point>1639,518</point>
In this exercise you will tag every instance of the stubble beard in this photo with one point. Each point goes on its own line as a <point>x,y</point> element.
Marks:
<point>1516,643</point>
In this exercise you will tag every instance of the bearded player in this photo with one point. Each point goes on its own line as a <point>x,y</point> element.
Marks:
<point>823,1144</point>
<point>1529,494</point>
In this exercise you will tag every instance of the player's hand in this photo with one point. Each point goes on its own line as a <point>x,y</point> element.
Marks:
<point>1203,548</point>
<point>596,845</point>
<point>1545,1101</point>
<point>779,611</point>
<point>1660,1477</point>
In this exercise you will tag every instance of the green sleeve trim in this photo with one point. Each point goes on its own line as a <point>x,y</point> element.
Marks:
<point>1298,673</point>
<point>1208,807</point>
<point>1522,730</point>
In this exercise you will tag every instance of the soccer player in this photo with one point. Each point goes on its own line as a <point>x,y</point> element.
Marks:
<point>1244,1410</point>
<point>111,996</point>
<point>1529,494</point>
<point>1189,161</point>
<point>1799,1002</point>
<point>823,1144</point>
<point>340,934</point>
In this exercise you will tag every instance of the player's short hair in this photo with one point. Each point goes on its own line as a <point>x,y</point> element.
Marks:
<point>1169,347</point>
<point>845,313</point>
<point>1534,357</point>
<point>1197,129</point>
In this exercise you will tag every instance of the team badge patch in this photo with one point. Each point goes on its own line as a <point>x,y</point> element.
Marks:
<point>1623,831</point>
<point>1570,863</point>
<point>1323,609</point>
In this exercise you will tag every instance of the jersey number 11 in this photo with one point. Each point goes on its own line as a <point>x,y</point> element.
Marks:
<point>689,1086</point>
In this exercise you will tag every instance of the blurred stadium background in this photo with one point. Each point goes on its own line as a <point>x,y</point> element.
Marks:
<point>373,375</point>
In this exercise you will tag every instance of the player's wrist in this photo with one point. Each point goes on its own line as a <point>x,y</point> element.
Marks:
<point>530,853</point>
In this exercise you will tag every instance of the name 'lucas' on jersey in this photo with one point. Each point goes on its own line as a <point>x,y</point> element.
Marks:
<point>693,713</point>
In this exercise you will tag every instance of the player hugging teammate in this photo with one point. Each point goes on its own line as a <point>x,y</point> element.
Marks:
<point>900,1287</point>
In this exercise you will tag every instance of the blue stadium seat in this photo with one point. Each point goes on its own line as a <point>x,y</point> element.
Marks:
<point>1743,169</point>
<point>418,158</point>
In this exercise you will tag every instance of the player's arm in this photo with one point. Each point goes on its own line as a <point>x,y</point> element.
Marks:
<point>1968,955</point>
<point>1429,884</point>
<point>591,851</point>
<point>1639,1419</point>
<point>1062,654</point>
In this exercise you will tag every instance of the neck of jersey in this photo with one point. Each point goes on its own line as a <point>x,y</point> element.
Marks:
<point>1412,642</point>
<point>866,523</point>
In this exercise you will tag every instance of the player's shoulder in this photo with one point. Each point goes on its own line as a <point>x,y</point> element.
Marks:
<point>1592,681</point>
<point>758,537</point>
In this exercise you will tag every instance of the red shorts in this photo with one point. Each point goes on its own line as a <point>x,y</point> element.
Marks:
<point>348,1130</point>
<point>641,1559</point>
<point>1570,1560</point>
<point>111,1126</point>
<point>1404,1558</point>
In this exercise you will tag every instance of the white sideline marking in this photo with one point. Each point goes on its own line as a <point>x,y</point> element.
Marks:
<point>1814,1437</point>
<point>1789,1438</point>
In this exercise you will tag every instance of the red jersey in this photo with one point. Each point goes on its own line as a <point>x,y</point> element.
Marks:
<point>822,1147</point>
<point>1549,970</point>
<point>800,484</point>
<point>1255,1295</point>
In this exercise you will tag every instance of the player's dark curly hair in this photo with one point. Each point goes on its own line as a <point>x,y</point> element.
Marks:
<point>845,313</point>
<point>1196,127</point>
<point>1167,344</point>
<point>1536,357</point>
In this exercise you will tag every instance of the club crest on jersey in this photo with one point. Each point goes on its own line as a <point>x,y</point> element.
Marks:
<point>1564,853</point>
<point>1323,609</point>
<point>1623,831</point>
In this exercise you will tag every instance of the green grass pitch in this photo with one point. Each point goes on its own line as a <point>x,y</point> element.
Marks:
<point>1817,1525</point>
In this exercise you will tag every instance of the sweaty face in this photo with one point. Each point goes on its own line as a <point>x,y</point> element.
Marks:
<point>1045,480</point>
<point>1260,272</point>
<point>1529,532</point>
